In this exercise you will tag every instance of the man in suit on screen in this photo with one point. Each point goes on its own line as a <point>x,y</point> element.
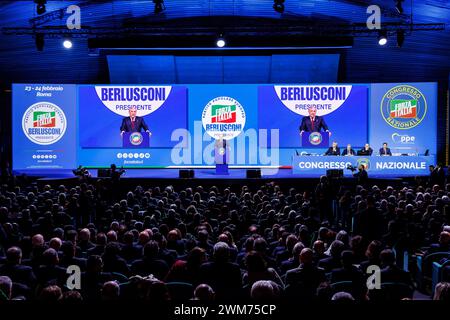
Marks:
<point>348,151</point>
<point>366,151</point>
<point>385,151</point>
<point>133,123</point>
<point>333,150</point>
<point>313,123</point>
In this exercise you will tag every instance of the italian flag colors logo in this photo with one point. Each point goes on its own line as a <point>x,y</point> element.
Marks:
<point>42,119</point>
<point>404,109</point>
<point>223,114</point>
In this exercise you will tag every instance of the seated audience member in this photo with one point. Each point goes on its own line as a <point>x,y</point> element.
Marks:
<point>442,291</point>
<point>112,262</point>
<point>319,251</point>
<point>256,269</point>
<point>343,297</point>
<point>5,288</point>
<point>14,269</point>
<point>189,270</point>
<point>294,261</point>
<point>348,272</point>
<point>306,276</point>
<point>50,294</point>
<point>265,291</point>
<point>110,291</point>
<point>334,260</point>
<point>443,244</point>
<point>204,293</point>
<point>390,272</point>
<point>99,247</point>
<point>68,258</point>
<point>150,263</point>
<point>373,255</point>
<point>50,272</point>
<point>223,276</point>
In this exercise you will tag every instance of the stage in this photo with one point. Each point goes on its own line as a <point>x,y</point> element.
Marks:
<point>199,173</point>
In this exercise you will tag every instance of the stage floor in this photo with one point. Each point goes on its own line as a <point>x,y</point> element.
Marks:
<point>201,173</point>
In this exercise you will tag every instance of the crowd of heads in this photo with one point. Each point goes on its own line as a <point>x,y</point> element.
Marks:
<point>263,243</point>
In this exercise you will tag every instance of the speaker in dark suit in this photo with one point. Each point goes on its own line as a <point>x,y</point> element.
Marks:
<point>312,123</point>
<point>133,123</point>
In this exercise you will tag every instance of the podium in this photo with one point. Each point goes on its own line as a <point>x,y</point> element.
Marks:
<point>221,157</point>
<point>135,140</point>
<point>315,139</point>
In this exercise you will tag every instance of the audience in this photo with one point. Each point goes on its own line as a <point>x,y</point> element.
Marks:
<point>226,244</point>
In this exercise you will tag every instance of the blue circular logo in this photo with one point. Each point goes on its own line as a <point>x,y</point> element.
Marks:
<point>136,138</point>
<point>315,138</point>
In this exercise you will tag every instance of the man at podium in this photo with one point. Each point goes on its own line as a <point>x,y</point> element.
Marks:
<point>221,149</point>
<point>313,123</point>
<point>133,123</point>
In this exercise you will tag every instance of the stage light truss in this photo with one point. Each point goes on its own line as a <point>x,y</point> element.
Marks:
<point>354,30</point>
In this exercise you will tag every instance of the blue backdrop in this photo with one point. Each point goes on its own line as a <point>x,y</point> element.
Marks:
<point>44,150</point>
<point>347,121</point>
<point>99,125</point>
<point>404,115</point>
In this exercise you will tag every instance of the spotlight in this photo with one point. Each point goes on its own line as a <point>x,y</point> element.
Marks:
<point>221,42</point>
<point>39,40</point>
<point>159,6</point>
<point>400,38</point>
<point>382,38</point>
<point>40,6</point>
<point>398,6</point>
<point>278,6</point>
<point>67,44</point>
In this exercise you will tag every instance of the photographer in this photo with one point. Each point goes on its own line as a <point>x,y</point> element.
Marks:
<point>115,173</point>
<point>82,173</point>
<point>361,175</point>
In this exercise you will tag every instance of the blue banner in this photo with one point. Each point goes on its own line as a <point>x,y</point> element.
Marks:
<point>44,126</point>
<point>103,110</point>
<point>342,109</point>
<point>63,126</point>
<point>404,116</point>
<point>375,165</point>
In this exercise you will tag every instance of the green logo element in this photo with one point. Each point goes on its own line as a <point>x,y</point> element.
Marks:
<point>403,107</point>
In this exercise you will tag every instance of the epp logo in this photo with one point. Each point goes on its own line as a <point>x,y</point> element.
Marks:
<point>403,138</point>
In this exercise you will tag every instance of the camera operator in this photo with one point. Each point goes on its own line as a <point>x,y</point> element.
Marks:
<point>361,175</point>
<point>115,173</point>
<point>82,173</point>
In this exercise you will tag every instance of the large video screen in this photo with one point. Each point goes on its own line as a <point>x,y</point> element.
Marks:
<point>103,109</point>
<point>61,126</point>
<point>343,109</point>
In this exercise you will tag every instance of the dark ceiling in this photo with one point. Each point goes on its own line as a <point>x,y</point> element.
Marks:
<point>424,56</point>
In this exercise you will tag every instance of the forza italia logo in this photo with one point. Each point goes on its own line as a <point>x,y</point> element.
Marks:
<point>44,123</point>
<point>403,107</point>
<point>223,118</point>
